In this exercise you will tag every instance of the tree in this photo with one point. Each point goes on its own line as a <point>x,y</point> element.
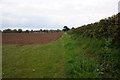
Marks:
<point>41,30</point>
<point>7,31</point>
<point>57,30</point>
<point>31,30</point>
<point>51,31</point>
<point>0,31</point>
<point>72,28</point>
<point>20,31</point>
<point>14,31</point>
<point>65,28</point>
<point>27,31</point>
<point>44,30</point>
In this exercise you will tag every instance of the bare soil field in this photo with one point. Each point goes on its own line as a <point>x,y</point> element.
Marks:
<point>29,38</point>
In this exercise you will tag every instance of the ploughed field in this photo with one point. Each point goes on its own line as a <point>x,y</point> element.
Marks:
<point>29,38</point>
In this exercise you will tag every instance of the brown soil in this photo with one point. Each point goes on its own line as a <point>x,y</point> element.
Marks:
<point>21,39</point>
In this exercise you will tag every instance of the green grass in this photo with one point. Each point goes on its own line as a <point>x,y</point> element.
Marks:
<point>33,61</point>
<point>90,57</point>
<point>72,56</point>
<point>78,64</point>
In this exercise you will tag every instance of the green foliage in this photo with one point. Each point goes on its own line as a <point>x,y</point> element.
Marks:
<point>15,31</point>
<point>110,58</point>
<point>7,31</point>
<point>108,32</point>
<point>57,30</point>
<point>41,30</point>
<point>19,30</point>
<point>12,31</point>
<point>44,30</point>
<point>107,28</point>
<point>72,28</point>
<point>65,28</point>
<point>27,31</point>
<point>80,61</point>
<point>88,57</point>
<point>31,30</point>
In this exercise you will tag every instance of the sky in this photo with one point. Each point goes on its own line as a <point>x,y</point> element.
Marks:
<point>54,14</point>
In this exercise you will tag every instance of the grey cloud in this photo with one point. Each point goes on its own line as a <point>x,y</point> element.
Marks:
<point>49,13</point>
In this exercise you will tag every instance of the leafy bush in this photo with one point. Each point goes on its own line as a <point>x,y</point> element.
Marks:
<point>107,28</point>
<point>99,41</point>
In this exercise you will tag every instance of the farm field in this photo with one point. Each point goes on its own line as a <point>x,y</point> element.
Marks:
<point>29,38</point>
<point>90,51</point>
<point>68,57</point>
<point>34,61</point>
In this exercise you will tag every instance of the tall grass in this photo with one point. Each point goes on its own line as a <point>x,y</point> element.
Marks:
<point>90,58</point>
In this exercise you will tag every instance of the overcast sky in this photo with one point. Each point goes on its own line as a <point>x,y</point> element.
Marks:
<point>54,14</point>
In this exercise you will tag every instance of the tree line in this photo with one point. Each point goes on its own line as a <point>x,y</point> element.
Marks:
<point>28,31</point>
<point>65,28</point>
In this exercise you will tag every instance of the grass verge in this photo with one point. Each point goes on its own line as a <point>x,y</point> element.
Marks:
<point>90,58</point>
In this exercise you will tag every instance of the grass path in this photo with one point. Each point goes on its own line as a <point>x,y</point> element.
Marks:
<point>34,61</point>
<point>63,60</point>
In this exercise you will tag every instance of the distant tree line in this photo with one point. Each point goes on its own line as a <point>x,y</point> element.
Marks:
<point>29,31</point>
<point>65,28</point>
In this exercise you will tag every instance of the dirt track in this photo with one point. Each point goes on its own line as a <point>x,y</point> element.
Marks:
<point>29,38</point>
